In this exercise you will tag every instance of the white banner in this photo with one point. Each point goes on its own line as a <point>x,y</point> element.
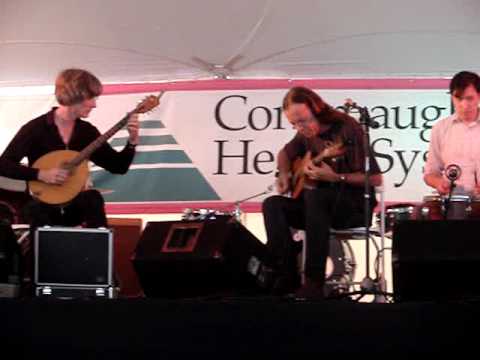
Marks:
<point>221,145</point>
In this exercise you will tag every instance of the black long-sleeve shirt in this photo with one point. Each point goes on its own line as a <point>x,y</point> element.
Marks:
<point>40,136</point>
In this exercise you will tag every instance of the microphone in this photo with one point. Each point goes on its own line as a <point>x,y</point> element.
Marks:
<point>364,116</point>
<point>453,172</point>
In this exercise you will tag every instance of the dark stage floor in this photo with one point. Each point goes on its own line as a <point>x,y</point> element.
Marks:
<point>232,326</point>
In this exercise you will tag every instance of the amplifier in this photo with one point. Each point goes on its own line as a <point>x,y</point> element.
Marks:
<point>75,258</point>
<point>72,292</point>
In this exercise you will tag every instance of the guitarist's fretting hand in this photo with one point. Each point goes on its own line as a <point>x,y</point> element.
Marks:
<point>132,128</point>
<point>54,176</point>
<point>322,172</point>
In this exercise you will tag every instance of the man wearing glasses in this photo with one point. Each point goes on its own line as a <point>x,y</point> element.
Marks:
<point>323,170</point>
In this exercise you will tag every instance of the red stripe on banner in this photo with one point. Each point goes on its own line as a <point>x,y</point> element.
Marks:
<point>177,208</point>
<point>256,84</point>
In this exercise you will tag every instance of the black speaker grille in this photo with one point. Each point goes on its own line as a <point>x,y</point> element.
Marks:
<point>73,257</point>
<point>168,266</point>
<point>436,260</point>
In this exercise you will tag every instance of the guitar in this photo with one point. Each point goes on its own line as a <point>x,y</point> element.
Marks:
<point>299,179</point>
<point>77,162</point>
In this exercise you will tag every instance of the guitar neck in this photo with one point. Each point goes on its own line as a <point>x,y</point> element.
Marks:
<point>87,152</point>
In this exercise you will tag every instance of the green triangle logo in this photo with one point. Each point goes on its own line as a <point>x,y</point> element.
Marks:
<point>160,171</point>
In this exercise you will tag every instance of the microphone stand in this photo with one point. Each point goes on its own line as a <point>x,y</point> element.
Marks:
<point>369,285</point>
<point>237,212</point>
<point>447,201</point>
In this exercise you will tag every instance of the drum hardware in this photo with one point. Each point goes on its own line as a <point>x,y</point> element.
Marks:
<point>346,286</point>
<point>205,214</point>
<point>21,232</point>
<point>460,207</point>
<point>201,214</point>
<point>394,214</point>
<point>468,210</point>
<point>340,267</point>
<point>425,212</point>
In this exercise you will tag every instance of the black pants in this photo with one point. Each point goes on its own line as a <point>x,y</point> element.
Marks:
<point>87,208</point>
<point>316,211</point>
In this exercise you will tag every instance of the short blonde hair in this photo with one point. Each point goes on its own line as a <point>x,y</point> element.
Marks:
<point>73,86</point>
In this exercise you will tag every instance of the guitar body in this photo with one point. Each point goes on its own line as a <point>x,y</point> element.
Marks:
<point>298,176</point>
<point>299,179</point>
<point>59,194</point>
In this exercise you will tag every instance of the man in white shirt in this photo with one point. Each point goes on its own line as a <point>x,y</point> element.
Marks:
<point>454,152</point>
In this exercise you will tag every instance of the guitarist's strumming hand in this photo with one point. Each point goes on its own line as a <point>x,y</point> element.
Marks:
<point>283,183</point>
<point>55,176</point>
<point>322,172</point>
<point>132,128</point>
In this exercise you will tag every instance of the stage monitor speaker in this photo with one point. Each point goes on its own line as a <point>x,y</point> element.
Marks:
<point>198,258</point>
<point>436,260</point>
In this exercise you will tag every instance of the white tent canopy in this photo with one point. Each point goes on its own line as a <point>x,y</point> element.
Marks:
<point>149,40</point>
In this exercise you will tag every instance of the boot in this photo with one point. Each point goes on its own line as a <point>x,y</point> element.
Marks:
<point>311,290</point>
